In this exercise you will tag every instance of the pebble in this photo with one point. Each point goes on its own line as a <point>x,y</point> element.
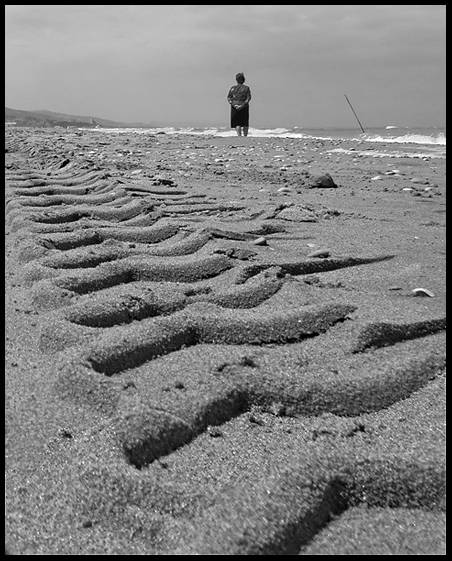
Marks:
<point>376,177</point>
<point>419,180</point>
<point>319,253</point>
<point>214,432</point>
<point>422,292</point>
<point>260,241</point>
<point>278,409</point>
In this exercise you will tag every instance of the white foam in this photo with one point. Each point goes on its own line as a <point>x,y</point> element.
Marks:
<point>409,139</point>
<point>391,154</point>
<point>437,139</point>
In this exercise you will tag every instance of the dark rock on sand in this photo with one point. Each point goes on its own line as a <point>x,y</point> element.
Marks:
<point>319,181</point>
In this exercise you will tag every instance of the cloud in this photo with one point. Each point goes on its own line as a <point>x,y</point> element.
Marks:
<point>128,61</point>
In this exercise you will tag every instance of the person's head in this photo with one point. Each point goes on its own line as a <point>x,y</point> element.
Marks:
<point>240,77</point>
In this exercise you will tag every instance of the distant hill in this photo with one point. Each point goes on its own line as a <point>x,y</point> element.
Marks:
<point>43,118</point>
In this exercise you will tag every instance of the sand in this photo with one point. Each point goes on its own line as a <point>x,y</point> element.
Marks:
<point>210,350</point>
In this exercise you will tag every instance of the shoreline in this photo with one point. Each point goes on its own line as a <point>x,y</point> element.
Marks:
<point>209,345</point>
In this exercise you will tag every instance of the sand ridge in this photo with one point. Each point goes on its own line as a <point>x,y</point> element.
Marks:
<point>209,352</point>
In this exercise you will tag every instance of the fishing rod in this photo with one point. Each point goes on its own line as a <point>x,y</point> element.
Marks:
<point>354,114</point>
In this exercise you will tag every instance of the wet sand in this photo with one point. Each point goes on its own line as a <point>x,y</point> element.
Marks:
<point>223,346</point>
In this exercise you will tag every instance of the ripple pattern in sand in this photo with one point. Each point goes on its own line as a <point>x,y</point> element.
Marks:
<point>179,332</point>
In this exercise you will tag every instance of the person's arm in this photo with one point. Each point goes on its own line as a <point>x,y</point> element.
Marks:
<point>230,96</point>
<point>248,99</point>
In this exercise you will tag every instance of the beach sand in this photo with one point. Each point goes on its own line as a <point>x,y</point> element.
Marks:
<point>210,350</point>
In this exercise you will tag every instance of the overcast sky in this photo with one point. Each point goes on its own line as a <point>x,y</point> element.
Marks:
<point>174,64</point>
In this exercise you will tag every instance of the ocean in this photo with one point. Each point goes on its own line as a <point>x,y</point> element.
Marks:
<point>404,141</point>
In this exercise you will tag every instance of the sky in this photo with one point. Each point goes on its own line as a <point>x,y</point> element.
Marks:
<point>173,65</point>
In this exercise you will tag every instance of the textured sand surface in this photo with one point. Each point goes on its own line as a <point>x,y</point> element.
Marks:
<point>208,351</point>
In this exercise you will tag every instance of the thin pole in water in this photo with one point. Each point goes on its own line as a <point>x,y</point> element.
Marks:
<point>354,113</point>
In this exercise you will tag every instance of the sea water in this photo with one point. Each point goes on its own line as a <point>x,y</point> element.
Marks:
<point>404,141</point>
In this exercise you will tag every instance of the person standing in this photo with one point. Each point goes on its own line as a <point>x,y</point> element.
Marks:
<point>239,97</point>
